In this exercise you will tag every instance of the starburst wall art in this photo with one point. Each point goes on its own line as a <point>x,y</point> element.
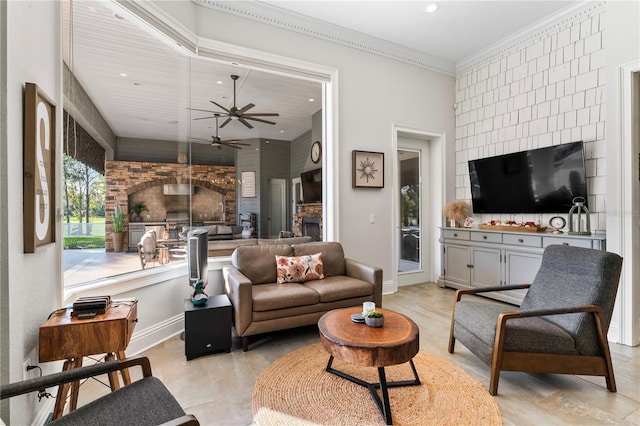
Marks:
<point>368,169</point>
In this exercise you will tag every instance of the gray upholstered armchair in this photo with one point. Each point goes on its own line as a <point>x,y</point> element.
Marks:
<point>143,402</point>
<point>561,325</point>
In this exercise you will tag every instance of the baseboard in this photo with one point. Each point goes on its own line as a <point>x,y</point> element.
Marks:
<point>151,336</point>
<point>46,410</point>
<point>388,287</point>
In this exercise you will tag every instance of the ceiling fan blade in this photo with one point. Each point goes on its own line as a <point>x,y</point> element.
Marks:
<point>232,146</point>
<point>203,118</point>
<point>235,142</point>
<point>262,114</point>
<point>247,107</point>
<point>258,119</point>
<point>225,122</point>
<point>246,123</point>
<point>220,106</point>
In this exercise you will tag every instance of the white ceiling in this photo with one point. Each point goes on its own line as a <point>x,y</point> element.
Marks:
<point>152,100</point>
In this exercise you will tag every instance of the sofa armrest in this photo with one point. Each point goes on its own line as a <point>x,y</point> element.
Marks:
<point>239,290</point>
<point>368,273</point>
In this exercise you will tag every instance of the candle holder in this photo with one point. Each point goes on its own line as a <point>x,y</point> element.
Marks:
<point>576,226</point>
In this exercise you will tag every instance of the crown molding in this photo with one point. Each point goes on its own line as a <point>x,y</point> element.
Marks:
<point>278,17</point>
<point>533,31</point>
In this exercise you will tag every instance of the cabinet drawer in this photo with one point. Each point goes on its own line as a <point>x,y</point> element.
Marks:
<point>487,237</point>
<point>575,242</point>
<point>522,240</point>
<point>456,235</point>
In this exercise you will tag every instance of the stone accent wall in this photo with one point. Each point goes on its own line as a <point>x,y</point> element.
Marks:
<point>548,89</point>
<point>306,210</point>
<point>124,178</point>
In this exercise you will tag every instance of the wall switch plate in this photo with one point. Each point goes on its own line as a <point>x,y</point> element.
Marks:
<point>372,218</point>
<point>25,373</point>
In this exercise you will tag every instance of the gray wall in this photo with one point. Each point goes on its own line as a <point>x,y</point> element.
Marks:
<point>248,160</point>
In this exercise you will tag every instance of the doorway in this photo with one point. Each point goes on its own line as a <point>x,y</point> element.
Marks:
<point>412,230</point>
<point>277,207</point>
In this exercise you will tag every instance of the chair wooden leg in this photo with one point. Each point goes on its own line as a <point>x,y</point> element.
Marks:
<point>606,353</point>
<point>496,359</point>
<point>452,339</point>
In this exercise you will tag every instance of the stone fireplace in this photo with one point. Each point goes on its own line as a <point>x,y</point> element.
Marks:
<point>307,221</point>
<point>127,182</point>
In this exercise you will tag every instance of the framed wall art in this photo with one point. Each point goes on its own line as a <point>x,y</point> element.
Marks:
<point>248,184</point>
<point>38,169</point>
<point>368,169</point>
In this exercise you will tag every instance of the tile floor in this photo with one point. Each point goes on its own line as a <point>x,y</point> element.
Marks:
<point>217,388</point>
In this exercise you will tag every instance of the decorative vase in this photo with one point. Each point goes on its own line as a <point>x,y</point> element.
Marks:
<point>374,322</point>
<point>137,218</point>
<point>199,297</point>
<point>117,241</point>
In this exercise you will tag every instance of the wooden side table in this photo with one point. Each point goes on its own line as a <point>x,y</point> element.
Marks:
<point>65,337</point>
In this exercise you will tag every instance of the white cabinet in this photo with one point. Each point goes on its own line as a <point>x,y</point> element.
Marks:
<point>474,258</point>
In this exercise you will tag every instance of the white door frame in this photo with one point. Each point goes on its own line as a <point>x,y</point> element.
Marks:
<point>433,209</point>
<point>624,326</point>
<point>282,183</point>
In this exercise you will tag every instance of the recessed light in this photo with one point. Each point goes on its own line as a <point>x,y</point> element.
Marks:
<point>123,74</point>
<point>432,7</point>
<point>281,131</point>
<point>219,82</point>
<point>311,99</point>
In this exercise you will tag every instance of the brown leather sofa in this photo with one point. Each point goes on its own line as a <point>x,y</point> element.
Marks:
<point>261,305</point>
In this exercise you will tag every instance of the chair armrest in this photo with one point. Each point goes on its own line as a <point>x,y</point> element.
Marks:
<point>239,289</point>
<point>368,273</point>
<point>73,375</point>
<point>186,420</point>
<point>460,293</point>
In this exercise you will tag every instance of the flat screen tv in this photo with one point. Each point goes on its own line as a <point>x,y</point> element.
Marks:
<point>543,180</point>
<point>311,186</point>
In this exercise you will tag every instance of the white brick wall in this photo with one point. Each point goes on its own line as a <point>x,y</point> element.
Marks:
<point>542,91</point>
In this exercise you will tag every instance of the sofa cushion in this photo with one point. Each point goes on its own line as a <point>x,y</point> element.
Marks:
<point>258,262</point>
<point>267,297</point>
<point>224,230</point>
<point>332,256</point>
<point>298,269</point>
<point>336,288</point>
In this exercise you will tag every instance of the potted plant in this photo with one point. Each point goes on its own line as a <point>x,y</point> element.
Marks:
<point>137,209</point>
<point>117,228</point>
<point>374,318</point>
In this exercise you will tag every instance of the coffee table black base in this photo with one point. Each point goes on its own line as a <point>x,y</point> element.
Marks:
<point>383,404</point>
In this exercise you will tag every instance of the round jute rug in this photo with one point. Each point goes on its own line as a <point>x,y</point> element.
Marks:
<point>296,390</point>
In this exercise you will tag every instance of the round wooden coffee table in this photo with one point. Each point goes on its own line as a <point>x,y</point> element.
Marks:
<point>396,342</point>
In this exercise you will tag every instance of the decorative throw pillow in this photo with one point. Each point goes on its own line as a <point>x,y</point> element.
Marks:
<point>298,269</point>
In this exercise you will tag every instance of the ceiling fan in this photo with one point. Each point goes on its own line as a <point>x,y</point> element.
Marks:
<point>218,143</point>
<point>241,114</point>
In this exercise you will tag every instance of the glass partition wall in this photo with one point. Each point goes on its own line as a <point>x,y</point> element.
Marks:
<point>175,142</point>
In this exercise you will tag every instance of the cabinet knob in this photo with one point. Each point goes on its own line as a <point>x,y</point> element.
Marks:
<point>455,235</point>
<point>484,237</point>
<point>469,266</point>
<point>520,240</point>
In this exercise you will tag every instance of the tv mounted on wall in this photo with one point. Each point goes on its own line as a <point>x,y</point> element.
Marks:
<point>311,186</point>
<point>543,180</point>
